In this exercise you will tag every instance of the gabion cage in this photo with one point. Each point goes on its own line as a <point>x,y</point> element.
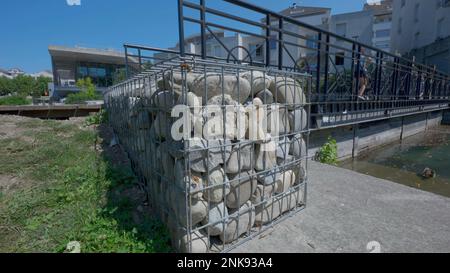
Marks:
<point>221,149</point>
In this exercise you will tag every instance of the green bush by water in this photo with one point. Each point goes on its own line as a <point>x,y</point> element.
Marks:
<point>328,152</point>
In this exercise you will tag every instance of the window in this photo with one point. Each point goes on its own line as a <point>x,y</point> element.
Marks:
<point>256,50</point>
<point>399,27</point>
<point>341,29</point>
<point>339,59</point>
<point>382,33</point>
<point>416,13</point>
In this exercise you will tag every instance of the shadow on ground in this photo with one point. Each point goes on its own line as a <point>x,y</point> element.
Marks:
<point>126,201</point>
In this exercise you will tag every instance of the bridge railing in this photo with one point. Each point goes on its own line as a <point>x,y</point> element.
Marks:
<point>348,76</point>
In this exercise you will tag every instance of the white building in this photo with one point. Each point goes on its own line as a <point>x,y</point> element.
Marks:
<point>371,26</point>
<point>382,23</point>
<point>418,23</point>
<point>421,29</point>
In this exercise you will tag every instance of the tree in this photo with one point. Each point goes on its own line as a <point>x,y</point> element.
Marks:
<point>87,87</point>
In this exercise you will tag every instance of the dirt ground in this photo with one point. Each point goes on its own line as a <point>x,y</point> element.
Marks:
<point>17,126</point>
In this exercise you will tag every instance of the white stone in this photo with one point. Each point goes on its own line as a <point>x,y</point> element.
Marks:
<point>198,208</point>
<point>226,99</point>
<point>266,96</point>
<point>176,82</point>
<point>267,212</point>
<point>262,193</point>
<point>219,153</point>
<point>269,178</point>
<point>258,79</point>
<point>241,189</point>
<point>266,157</point>
<point>216,219</point>
<point>287,91</point>
<point>244,152</point>
<point>198,243</point>
<point>218,180</point>
<point>282,122</point>
<point>286,182</point>
<point>298,147</point>
<point>191,181</point>
<point>240,221</point>
<point>238,88</point>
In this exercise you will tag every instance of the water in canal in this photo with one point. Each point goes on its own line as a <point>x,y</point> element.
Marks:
<point>404,162</point>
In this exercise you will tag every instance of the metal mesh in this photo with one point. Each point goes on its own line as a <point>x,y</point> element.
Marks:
<point>221,149</point>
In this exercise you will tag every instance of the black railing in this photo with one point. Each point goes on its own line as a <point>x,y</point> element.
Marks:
<point>339,65</point>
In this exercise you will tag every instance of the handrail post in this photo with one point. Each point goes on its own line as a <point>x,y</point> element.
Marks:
<point>203,26</point>
<point>352,76</point>
<point>126,62</point>
<point>327,62</point>
<point>181,27</point>
<point>267,62</point>
<point>281,44</point>
<point>319,45</point>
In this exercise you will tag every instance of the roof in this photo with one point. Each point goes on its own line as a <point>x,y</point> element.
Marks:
<point>302,11</point>
<point>86,54</point>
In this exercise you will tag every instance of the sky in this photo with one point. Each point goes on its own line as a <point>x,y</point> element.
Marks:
<point>30,26</point>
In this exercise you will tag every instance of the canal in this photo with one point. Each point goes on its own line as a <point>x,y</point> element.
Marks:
<point>403,162</point>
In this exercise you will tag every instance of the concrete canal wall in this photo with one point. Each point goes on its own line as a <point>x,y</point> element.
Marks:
<point>355,139</point>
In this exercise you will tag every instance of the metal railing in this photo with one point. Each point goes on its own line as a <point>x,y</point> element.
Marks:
<point>339,65</point>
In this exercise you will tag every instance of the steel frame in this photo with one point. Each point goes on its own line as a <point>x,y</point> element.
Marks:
<point>391,78</point>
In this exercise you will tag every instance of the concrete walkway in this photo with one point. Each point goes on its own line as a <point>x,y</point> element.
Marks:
<point>347,210</point>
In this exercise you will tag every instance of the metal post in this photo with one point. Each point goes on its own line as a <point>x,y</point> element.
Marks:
<point>203,27</point>
<point>327,62</point>
<point>280,44</point>
<point>140,60</point>
<point>353,71</point>
<point>126,62</point>
<point>319,45</point>
<point>358,69</point>
<point>181,27</point>
<point>267,62</point>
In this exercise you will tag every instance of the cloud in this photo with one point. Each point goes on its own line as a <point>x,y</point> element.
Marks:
<point>73,2</point>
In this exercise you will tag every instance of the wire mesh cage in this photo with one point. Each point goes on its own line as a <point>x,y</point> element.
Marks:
<point>221,149</point>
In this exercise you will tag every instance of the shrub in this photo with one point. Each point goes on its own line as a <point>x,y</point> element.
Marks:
<point>328,152</point>
<point>97,119</point>
<point>87,93</point>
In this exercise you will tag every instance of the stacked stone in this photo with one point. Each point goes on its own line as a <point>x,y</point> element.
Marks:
<point>224,187</point>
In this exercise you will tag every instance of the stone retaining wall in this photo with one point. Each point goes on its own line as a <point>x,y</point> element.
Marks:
<point>227,176</point>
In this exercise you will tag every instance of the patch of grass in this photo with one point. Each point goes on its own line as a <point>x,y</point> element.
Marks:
<point>14,100</point>
<point>74,195</point>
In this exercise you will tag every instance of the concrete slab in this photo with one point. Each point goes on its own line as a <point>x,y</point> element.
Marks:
<point>348,210</point>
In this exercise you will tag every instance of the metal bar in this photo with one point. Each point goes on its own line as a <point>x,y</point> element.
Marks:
<point>280,44</point>
<point>268,40</point>
<point>327,63</point>
<point>181,27</point>
<point>202,28</point>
